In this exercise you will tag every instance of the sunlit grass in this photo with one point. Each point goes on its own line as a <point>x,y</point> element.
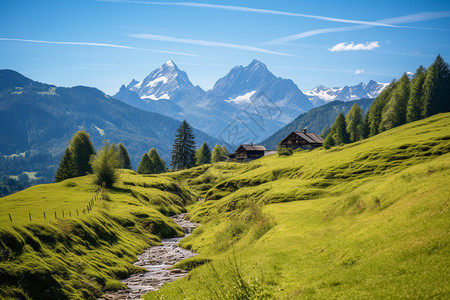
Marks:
<point>79,256</point>
<point>366,220</point>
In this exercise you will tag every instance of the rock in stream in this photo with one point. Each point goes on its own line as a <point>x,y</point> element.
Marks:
<point>157,260</point>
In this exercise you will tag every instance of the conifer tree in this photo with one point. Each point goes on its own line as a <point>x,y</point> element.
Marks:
<point>124,158</point>
<point>66,167</point>
<point>104,165</point>
<point>376,109</point>
<point>145,166</point>
<point>365,127</point>
<point>394,113</point>
<point>415,101</point>
<point>436,88</point>
<point>325,131</point>
<point>158,164</point>
<point>203,155</point>
<point>82,149</point>
<point>354,120</point>
<point>329,141</point>
<point>216,154</point>
<point>183,152</point>
<point>339,130</point>
<point>224,150</point>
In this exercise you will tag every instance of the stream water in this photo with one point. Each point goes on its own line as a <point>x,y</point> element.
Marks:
<point>157,260</point>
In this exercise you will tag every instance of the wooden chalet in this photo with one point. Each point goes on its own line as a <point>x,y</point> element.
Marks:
<point>245,153</point>
<point>302,139</point>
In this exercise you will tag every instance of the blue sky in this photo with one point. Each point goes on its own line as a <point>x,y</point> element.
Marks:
<point>107,43</point>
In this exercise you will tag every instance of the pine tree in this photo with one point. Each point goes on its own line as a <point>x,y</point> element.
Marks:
<point>354,122</point>
<point>104,165</point>
<point>158,164</point>
<point>436,88</point>
<point>216,154</point>
<point>145,166</point>
<point>365,130</point>
<point>82,149</point>
<point>415,101</point>
<point>124,158</point>
<point>339,130</point>
<point>224,150</point>
<point>394,113</point>
<point>325,131</point>
<point>376,109</point>
<point>329,141</point>
<point>203,155</point>
<point>183,152</point>
<point>66,167</point>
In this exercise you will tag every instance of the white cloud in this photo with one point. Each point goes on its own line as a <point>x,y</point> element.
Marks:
<point>94,44</point>
<point>359,71</point>
<point>354,47</point>
<point>165,38</point>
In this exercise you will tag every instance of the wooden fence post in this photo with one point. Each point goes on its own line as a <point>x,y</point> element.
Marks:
<point>70,214</point>
<point>44,216</point>
<point>77,213</point>
<point>55,215</point>
<point>63,214</point>
<point>29,214</point>
<point>10,217</point>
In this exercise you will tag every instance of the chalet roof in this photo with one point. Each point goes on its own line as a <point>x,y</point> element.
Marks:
<point>252,147</point>
<point>310,137</point>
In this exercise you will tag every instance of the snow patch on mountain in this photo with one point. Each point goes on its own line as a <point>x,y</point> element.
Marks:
<point>242,98</point>
<point>153,97</point>
<point>100,131</point>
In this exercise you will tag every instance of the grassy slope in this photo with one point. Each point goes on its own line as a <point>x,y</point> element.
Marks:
<point>374,222</point>
<point>79,256</point>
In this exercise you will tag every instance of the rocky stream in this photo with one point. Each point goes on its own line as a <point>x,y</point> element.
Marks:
<point>157,260</point>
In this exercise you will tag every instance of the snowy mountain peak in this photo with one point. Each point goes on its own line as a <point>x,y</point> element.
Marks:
<point>164,83</point>
<point>257,65</point>
<point>170,63</point>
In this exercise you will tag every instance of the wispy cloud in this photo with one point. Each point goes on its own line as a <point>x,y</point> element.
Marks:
<point>359,71</point>
<point>94,45</point>
<point>253,10</point>
<point>165,38</point>
<point>418,17</point>
<point>354,47</point>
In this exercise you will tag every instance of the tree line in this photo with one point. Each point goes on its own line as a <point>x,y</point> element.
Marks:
<point>406,100</point>
<point>80,157</point>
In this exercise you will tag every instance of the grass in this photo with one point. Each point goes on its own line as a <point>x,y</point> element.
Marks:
<point>81,256</point>
<point>366,220</point>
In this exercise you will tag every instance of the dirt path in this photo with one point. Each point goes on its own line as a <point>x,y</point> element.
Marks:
<point>156,260</point>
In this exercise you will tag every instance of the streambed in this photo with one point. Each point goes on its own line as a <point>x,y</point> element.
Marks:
<point>156,260</point>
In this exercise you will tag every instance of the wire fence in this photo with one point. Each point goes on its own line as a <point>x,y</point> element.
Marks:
<point>57,214</point>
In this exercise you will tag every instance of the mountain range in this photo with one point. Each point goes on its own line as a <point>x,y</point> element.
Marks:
<point>37,121</point>
<point>321,95</point>
<point>247,105</point>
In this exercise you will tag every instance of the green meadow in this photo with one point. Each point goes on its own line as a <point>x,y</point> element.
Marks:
<point>365,220</point>
<point>81,256</point>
